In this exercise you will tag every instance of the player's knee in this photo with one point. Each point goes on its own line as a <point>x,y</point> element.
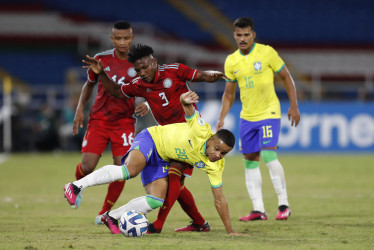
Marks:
<point>87,168</point>
<point>251,164</point>
<point>252,156</point>
<point>153,201</point>
<point>130,171</point>
<point>268,155</point>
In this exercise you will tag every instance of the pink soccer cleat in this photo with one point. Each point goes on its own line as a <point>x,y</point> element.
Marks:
<point>254,215</point>
<point>283,213</point>
<point>194,228</point>
<point>111,223</point>
<point>71,193</point>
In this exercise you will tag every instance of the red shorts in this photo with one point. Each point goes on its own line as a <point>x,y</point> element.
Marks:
<point>96,139</point>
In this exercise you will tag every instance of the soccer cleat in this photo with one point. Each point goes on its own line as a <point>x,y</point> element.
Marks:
<point>98,220</point>
<point>73,195</point>
<point>283,213</point>
<point>194,228</point>
<point>152,230</point>
<point>254,215</point>
<point>111,223</point>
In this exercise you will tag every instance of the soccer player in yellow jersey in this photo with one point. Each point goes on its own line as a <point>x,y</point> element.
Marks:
<point>252,67</point>
<point>192,142</point>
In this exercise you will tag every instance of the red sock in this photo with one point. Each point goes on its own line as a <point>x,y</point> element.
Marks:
<point>114,191</point>
<point>171,197</point>
<point>79,172</point>
<point>188,204</point>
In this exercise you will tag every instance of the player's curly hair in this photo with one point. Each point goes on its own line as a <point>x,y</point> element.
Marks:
<point>139,51</point>
<point>122,25</point>
<point>243,22</point>
<point>227,137</point>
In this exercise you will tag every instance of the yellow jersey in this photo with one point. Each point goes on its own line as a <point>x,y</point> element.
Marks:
<point>186,142</point>
<point>254,74</point>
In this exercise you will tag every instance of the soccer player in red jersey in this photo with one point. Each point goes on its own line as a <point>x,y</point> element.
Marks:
<point>111,120</point>
<point>162,86</point>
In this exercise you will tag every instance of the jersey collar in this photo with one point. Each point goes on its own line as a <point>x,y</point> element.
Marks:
<point>254,45</point>
<point>204,148</point>
<point>117,58</point>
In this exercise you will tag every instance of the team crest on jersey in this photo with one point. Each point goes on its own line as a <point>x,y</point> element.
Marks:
<point>199,164</point>
<point>149,90</point>
<point>107,69</point>
<point>258,66</point>
<point>200,121</point>
<point>131,72</point>
<point>167,83</point>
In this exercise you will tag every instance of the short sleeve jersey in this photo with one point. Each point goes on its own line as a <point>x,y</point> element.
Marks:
<point>107,111</point>
<point>164,92</point>
<point>254,74</point>
<point>186,142</point>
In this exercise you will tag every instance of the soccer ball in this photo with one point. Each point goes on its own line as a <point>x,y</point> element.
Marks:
<point>133,224</point>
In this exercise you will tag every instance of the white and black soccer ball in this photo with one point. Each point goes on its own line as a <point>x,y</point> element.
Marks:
<point>133,224</point>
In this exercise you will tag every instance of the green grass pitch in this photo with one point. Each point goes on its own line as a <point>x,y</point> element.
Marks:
<point>331,198</point>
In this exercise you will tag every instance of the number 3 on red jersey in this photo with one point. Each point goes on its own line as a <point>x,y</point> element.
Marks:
<point>163,97</point>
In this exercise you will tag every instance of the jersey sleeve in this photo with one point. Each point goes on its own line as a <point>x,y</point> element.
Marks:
<point>276,63</point>
<point>229,72</point>
<point>214,173</point>
<point>91,76</point>
<point>126,91</point>
<point>185,73</point>
<point>199,127</point>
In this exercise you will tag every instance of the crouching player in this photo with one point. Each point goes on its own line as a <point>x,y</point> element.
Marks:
<point>192,142</point>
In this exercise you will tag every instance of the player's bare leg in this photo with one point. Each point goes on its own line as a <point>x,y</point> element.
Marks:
<point>87,165</point>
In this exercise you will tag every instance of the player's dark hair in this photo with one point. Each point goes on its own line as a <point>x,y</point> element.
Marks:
<point>139,51</point>
<point>227,137</point>
<point>244,22</point>
<point>122,25</point>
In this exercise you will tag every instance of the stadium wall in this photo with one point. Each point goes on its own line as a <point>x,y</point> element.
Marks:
<point>325,127</point>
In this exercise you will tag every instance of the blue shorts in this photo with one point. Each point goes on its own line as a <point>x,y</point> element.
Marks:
<point>156,167</point>
<point>257,135</point>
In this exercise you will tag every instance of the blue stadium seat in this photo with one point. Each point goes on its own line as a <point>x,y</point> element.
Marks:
<point>39,68</point>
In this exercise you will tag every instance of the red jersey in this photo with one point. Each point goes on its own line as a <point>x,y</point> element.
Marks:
<point>107,111</point>
<point>163,94</point>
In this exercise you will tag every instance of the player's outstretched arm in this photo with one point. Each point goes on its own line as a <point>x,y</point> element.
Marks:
<point>223,210</point>
<point>209,76</point>
<point>227,101</point>
<point>187,99</point>
<point>97,67</point>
